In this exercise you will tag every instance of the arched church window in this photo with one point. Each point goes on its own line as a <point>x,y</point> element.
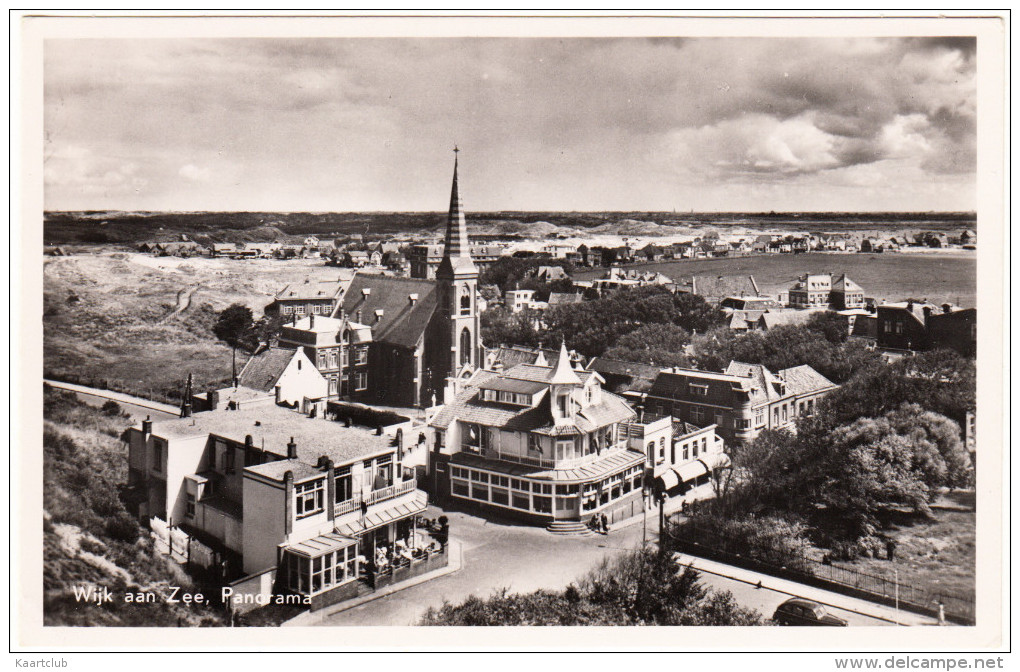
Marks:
<point>465,346</point>
<point>465,300</point>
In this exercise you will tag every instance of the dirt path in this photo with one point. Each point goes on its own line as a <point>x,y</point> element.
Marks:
<point>183,303</point>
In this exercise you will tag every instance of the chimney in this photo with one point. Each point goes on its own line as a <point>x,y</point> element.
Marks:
<point>146,427</point>
<point>249,442</point>
<point>357,316</point>
<point>927,313</point>
<point>214,399</point>
<point>378,315</point>
<point>366,292</point>
<point>413,298</point>
<point>292,449</point>
<point>947,308</point>
<point>311,321</point>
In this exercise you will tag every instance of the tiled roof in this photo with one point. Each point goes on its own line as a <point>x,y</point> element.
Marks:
<point>608,465</point>
<point>513,385</point>
<point>320,289</point>
<point>510,356</point>
<point>803,379</point>
<point>721,286</point>
<point>540,374</point>
<point>765,381</point>
<point>842,283</point>
<point>264,369</point>
<point>774,318</point>
<point>684,428</point>
<point>617,367</point>
<point>402,323</point>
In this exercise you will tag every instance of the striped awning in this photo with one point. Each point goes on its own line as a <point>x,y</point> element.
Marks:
<point>321,545</point>
<point>691,470</point>
<point>383,514</point>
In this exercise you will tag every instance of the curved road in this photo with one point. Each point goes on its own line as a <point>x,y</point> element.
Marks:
<point>135,406</point>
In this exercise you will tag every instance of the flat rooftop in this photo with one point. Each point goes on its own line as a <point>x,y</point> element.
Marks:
<point>271,429</point>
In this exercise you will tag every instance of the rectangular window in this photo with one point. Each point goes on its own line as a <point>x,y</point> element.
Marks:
<point>344,486</point>
<point>759,417</point>
<point>697,414</point>
<point>189,506</point>
<point>344,361</point>
<point>521,501</point>
<point>361,355</point>
<point>459,488</point>
<point>308,498</point>
<point>157,455</point>
<point>360,380</point>
<point>500,496</point>
<point>534,444</point>
<point>542,504</point>
<point>480,492</point>
<point>687,452</point>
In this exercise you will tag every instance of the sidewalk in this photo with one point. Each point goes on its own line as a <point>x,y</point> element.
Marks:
<point>793,589</point>
<point>308,618</point>
<point>115,396</point>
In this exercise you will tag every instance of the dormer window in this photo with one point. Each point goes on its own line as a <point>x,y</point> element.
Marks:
<point>698,389</point>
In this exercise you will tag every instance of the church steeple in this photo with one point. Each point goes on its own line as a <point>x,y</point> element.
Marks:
<point>457,293</point>
<point>456,249</point>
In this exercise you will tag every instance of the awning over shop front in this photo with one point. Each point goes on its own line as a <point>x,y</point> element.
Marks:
<point>691,470</point>
<point>321,545</point>
<point>378,516</point>
<point>715,461</point>
<point>668,480</point>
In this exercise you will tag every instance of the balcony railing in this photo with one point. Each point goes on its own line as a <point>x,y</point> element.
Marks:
<point>375,496</point>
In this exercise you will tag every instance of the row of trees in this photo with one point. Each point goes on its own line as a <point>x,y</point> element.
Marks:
<point>641,587</point>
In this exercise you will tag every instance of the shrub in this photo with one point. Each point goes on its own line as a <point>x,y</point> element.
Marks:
<point>111,408</point>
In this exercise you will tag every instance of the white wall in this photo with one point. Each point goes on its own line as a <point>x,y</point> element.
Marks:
<point>183,458</point>
<point>264,515</point>
<point>297,383</point>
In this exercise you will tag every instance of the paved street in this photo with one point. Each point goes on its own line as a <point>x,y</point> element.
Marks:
<point>497,555</point>
<point>520,558</point>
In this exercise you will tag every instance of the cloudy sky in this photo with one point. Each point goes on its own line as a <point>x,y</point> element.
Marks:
<point>709,124</point>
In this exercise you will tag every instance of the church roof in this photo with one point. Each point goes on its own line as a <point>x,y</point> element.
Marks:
<point>402,321</point>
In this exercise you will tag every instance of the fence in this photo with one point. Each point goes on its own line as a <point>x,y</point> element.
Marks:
<point>181,547</point>
<point>703,543</point>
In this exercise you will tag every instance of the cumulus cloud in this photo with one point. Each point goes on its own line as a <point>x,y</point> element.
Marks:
<point>192,172</point>
<point>351,118</point>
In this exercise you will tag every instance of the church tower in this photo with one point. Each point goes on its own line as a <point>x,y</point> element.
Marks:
<point>457,290</point>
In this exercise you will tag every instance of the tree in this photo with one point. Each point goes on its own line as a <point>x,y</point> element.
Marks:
<point>656,343</point>
<point>695,314</point>
<point>501,326</point>
<point>234,327</point>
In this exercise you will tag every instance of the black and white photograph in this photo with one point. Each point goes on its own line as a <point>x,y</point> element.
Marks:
<point>349,326</point>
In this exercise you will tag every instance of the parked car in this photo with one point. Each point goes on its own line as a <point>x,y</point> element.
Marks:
<point>799,611</point>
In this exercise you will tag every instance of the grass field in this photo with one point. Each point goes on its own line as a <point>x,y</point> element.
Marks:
<point>938,553</point>
<point>108,316</point>
<point>937,277</point>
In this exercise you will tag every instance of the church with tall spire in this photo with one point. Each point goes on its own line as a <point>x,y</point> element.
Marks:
<point>401,341</point>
